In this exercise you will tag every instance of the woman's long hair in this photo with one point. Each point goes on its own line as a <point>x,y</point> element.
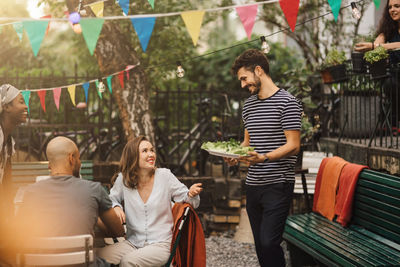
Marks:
<point>387,25</point>
<point>129,163</point>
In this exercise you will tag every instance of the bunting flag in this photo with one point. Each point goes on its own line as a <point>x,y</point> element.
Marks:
<point>127,69</point>
<point>193,20</point>
<point>86,89</point>
<point>26,95</point>
<point>335,6</point>
<point>71,91</point>
<point>56,96</point>
<point>121,79</point>
<point>124,4</point>
<point>109,83</point>
<point>19,29</point>
<point>42,97</point>
<point>144,28</point>
<point>290,8</point>
<point>48,26</point>
<point>98,91</point>
<point>151,3</point>
<point>377,3</point>
<point>97,8</point>
<point>247,15</point>
<point>91,29</point>
<point>36,30</point>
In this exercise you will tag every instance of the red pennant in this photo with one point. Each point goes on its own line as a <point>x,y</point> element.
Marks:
<point>290,8</point>
<point>48,25</point>
<point>121,78</point>
<point>247,15</point>
<point>42,96</point>
<point>56,96</point>
<point>127,69</point>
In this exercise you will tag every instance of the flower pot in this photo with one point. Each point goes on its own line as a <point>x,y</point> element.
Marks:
<point>338,73</point>
<point>326,76</point>
<point>378,69</point>
<point>359,63</point>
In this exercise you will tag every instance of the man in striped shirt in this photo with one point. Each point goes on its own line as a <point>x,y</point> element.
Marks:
<point>272,121</point>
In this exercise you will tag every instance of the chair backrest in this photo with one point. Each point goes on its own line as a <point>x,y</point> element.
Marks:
<point>55,251</point>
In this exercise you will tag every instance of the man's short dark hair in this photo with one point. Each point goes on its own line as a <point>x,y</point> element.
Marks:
<point>250,59</point>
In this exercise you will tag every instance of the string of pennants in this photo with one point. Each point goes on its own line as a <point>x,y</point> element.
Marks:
<point>144,24</point>
<point>100,86</point>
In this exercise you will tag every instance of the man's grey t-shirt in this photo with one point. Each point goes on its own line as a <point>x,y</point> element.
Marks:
<point>64,205</point>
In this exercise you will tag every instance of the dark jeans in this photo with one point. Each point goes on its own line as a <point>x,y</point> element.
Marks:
<point>268,207</point>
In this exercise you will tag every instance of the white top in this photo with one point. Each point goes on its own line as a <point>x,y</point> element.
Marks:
<point>151,222</point>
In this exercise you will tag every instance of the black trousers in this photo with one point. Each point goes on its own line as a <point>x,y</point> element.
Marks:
<point>268,207</point>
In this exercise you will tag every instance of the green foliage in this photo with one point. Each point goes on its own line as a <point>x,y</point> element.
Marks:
<point>335,57</point>
<point>376,55</point>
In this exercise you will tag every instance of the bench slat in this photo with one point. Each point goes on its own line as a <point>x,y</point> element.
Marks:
<point>381,178</point>
<point>377,195</point>
<point>356,244</point>
<point>377,187</point>
<point>360,199</point>
<point>377,212</point>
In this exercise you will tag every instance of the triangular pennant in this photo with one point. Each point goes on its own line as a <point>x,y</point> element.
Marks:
<point>127,69</point>
<point>377,3</point>
<point>247,15</point>
<point>109,83</point>
<point>86,89</point>
<point>335,6</point>
<point>98,90</point>
<point>71,91</point>
<point>42,97</point>
<point>91,29</point>
<point>193,20</point>
<point>26,95</point>
<point>151,3</point>
<point>48,26</point>
<point>144,28</point>
<point>124,4</point>
<point>97,8</point>
<point>121,79</point>
<point>36,30</point>
<point>19,29</point>
<point>56,96</point>
<point>290,8</point>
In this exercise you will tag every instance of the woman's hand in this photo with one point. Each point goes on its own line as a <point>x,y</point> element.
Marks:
<point>120,213</point>
<point>195,189</point>
<point>252,158</point>
<point>363,46</point>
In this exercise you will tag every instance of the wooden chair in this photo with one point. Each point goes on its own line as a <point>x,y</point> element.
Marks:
<point>56,251</point>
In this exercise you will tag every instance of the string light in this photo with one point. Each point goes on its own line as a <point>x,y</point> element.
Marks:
<point>102,87</point>
<point>180,72</point>
<point>354,10</point>
<point>264,45</point>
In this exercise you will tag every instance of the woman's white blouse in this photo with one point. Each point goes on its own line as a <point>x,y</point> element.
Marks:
<point>151,222</point>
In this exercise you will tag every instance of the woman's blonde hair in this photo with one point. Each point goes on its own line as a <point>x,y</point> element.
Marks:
<point>129,163</point>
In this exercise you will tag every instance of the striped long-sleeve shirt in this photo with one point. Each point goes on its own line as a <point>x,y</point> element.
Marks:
<point>266,120</point>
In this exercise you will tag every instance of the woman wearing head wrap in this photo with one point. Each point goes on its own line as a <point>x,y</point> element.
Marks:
<point>13,112</point>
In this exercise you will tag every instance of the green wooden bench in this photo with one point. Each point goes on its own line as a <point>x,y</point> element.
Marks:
<point>25,173</point>
<point>372,239</point>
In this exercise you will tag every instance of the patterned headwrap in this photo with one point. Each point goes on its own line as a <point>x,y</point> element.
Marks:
<point>7,94</point>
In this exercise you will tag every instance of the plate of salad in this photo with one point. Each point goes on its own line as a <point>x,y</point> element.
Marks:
<point>227,149</point>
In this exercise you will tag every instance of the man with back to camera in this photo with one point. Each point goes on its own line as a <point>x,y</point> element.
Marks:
<point>65,205</point>
<point>272,122</point>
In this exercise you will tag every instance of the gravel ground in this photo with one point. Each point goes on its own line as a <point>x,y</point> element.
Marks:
<point>223,250</point>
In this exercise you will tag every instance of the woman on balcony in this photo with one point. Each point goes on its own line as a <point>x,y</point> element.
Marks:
<point>388,34</point>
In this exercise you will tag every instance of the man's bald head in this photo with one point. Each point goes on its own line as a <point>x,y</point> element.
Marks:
<point>63,156</point>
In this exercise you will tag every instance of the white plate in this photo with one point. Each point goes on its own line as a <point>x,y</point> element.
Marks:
<point>222,154</point>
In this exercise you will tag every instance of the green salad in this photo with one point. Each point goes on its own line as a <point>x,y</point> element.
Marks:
<point>231,147</point>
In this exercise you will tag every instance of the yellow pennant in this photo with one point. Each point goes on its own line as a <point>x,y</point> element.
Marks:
<point>71,91</point>
<point>193,20</point>
<point>98,8</point>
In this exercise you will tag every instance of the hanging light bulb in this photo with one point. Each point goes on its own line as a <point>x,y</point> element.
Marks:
<point>264,45</point>
<point>102,87</point>
<point>74,18</point>
<point>356,13</point>
<point>180,72</point>
<point>77,28</point>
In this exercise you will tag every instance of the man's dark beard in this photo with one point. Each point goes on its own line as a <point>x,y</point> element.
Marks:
<point>257,85</point>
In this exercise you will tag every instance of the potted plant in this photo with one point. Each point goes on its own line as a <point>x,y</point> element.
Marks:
<point>378,60</point>
<point>334,63</point>
<point>357,58</point>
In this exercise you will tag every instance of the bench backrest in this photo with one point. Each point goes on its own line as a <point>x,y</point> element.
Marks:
<point>377,204</point>
<point>24,173</point>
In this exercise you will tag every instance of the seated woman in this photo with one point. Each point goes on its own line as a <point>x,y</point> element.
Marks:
<point>147,192</point>
<point>388,32</point>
